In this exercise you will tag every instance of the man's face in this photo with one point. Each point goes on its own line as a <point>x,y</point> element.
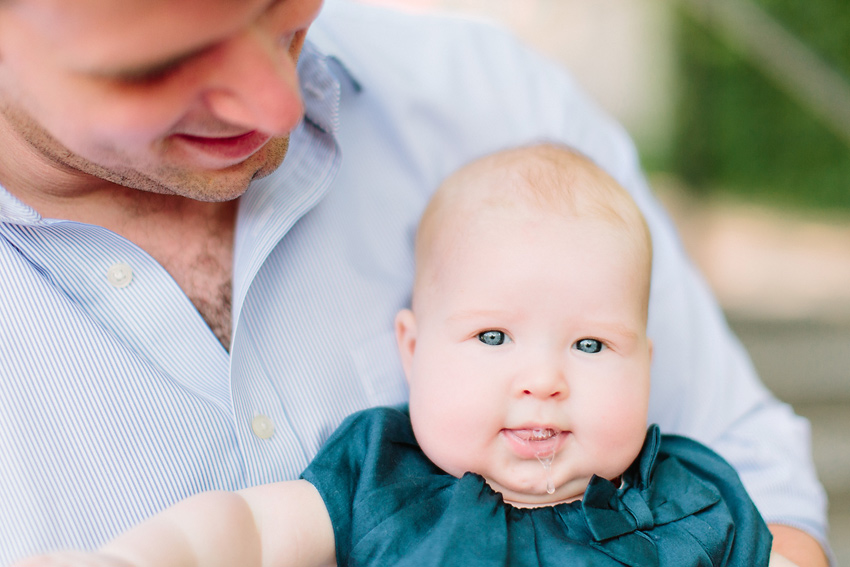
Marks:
<point>187,97</point>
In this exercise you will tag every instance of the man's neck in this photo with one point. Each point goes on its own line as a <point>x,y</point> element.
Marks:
<point>192,240</point>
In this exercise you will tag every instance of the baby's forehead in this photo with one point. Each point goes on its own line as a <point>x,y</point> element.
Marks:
<point>543,175</point>
<point>490,190</point>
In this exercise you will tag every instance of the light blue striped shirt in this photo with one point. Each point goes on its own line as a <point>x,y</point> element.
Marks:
<point>117,400</point>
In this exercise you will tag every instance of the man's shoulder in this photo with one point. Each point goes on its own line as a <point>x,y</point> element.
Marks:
<point>351,24</point>
<point>691,450</point>
<point>417,48</point>
<point>464,86</point>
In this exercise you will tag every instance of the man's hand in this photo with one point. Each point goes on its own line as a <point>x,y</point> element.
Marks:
<point>797,546</point>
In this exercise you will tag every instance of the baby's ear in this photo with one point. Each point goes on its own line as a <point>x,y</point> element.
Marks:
<point>405,334</point>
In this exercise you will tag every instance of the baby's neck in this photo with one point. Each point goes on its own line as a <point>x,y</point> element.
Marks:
<point>531,503</point>
<point>516,504</point>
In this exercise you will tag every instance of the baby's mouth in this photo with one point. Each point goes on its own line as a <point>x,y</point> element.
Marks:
<point>532,442</point>
<point>536,434</point>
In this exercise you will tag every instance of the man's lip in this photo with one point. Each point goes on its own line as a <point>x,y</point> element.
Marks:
<point>529,442</point>
<point>227,149</point>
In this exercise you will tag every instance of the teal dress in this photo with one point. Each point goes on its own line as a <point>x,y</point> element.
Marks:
<point>679,505</point>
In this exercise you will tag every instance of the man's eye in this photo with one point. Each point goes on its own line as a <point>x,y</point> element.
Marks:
<point>589,345</point>
<point>494,338</point>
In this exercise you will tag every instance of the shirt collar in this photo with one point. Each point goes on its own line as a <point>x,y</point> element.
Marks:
<point>15,211</point>
<point>320,87</point>
<point>323,39</point>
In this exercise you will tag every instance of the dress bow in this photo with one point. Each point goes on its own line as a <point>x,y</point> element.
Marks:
<point>652,494</point>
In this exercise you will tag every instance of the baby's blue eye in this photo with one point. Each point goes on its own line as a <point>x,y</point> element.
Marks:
<point>494,338</point>
<point>589,345</point>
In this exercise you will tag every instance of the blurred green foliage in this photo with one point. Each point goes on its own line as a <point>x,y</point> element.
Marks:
<point>737,132</point>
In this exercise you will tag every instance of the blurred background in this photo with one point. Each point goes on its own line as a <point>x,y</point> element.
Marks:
<point>741,113</point>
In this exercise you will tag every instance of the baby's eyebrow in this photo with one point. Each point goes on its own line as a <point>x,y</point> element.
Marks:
<point>478,314</point>
<point>618,329</point>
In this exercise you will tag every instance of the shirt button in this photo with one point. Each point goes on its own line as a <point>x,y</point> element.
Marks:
<point>263,427</point>
<point>119,275</point>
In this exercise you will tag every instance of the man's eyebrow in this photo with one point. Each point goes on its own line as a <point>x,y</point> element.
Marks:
<point>149,71</point>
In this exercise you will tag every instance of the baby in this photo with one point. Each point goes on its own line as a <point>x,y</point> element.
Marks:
<point>526,440</point>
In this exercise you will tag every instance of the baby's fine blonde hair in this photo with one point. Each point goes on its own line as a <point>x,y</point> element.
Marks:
<point>547,177</point>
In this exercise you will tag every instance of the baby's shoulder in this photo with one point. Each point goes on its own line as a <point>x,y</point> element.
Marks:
<point>696,457</point>
<point>382,421</point>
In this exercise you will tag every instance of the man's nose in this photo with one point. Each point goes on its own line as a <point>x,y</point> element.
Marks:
<point>253,82</point>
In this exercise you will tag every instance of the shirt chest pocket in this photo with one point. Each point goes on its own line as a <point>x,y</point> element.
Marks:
<point>379,369</point>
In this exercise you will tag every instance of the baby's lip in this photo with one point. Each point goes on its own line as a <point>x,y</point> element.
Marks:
<point>529,442</point>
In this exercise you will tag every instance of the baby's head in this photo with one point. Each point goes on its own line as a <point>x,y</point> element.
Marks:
<point>526,342</point>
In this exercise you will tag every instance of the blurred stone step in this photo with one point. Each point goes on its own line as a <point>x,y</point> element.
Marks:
<point>839,524</point>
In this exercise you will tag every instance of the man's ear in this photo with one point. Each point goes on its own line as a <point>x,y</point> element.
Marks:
<point>405,334</point>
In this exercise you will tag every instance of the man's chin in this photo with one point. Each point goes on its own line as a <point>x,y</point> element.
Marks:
<point>275,151</point>
<point>212,185</point>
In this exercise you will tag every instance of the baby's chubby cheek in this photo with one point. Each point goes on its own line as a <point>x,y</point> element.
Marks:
<point>452,446</point>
